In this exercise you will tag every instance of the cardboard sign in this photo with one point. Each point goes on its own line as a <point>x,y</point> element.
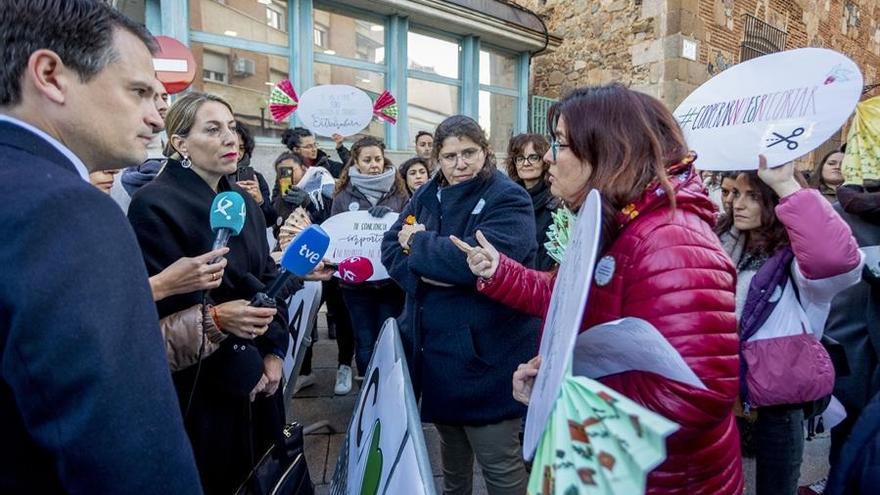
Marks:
<point>781,105</point>
<point>335,109</point>
<point>302,313</point>
<point>357,233</point>
<point>385,448</point>
<point>563,319</point>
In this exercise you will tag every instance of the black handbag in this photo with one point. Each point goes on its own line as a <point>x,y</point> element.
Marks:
<point>282,470</point>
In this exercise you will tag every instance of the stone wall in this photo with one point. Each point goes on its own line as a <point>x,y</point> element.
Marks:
<point>603,41</point>
<point>639,42</point>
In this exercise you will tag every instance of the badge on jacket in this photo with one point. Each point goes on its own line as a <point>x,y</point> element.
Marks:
<point>605,270</point>
<point>479,207</point>
<point>354,206</point>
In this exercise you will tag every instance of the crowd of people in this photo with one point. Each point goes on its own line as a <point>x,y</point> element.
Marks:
<point>133,360</point>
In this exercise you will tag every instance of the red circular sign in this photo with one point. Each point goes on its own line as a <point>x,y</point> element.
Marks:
<point>175,65</point>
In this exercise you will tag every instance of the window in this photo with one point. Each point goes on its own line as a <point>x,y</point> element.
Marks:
<point>432,55</point>
<point>244,79</point>
<point>433,85</point>
<point>760,38</point>
<point>215,66</point>
<point>497,69</point>
<point>320,34</point>
<point>429,103</point>
<point>275,18</point>
<point>350,37</point>
<point>372,83</point>
<point>497,118</point>
<point>498,96</point>
<point>263,21</point>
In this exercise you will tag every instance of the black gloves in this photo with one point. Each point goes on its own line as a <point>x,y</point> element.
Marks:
<point>379,211</point>
<point>296,197</point>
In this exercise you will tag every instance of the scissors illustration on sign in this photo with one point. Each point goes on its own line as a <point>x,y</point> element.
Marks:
<point>789,140</point>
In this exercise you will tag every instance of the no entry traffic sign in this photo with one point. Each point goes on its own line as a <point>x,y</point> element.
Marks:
<point>174,64</point>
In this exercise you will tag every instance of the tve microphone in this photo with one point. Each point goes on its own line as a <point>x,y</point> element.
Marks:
<point>355,270</point>
<point>302,255</point>
<point>227,218</point>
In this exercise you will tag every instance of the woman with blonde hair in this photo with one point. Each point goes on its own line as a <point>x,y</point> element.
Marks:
<point>231,407</point>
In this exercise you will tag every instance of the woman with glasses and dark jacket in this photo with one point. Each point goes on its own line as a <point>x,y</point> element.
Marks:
<point>462,347</point>
<point>526,166</point>
<point>302,142</point>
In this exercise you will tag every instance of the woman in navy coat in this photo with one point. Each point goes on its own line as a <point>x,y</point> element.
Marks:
<point>462,347</point>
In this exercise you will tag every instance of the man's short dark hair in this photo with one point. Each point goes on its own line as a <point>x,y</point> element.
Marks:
<point>79,31</point>
<point>423,133</point>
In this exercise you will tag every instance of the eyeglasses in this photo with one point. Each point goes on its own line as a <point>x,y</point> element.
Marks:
<point>308,146</point>
<point>534,159</point>
<point>554,148</point>
<point>468,156</point>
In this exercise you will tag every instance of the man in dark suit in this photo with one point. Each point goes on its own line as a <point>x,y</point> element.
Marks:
<point>86,400</point>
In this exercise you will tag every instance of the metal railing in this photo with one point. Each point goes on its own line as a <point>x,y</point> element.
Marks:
<point>540,106</point>
<point>760,38</point>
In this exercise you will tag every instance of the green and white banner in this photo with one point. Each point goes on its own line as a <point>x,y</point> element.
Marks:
<point>384,451</point>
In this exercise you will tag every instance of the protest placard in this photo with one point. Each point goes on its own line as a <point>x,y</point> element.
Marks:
<point>357,233</point>
<point>385,448</point>
<point>335,109</point>
<point>781,105</point>
<point>563,319</point>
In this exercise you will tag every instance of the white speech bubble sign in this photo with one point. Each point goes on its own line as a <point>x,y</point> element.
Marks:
<point>781,105</point>
<point>335,109</point>
<point>357,233</point>
<point>564,317</point>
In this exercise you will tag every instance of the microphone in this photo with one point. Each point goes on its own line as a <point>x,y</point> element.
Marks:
<point>227,218</point>
<point>355,270</point>
<point>302,255</point>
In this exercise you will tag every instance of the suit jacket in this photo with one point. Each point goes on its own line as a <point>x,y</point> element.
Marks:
<point>86,400</point>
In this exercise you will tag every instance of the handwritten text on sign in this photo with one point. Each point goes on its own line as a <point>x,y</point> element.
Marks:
<point>335,109</point>
<point>357,233</point>
<point>782,105</point>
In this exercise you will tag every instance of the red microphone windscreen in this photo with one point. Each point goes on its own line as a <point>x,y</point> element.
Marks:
<point>355,270</point>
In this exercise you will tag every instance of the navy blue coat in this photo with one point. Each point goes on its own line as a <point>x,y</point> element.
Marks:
<point>462,347</point>
<point>86,400</point>
<point>858,470</point>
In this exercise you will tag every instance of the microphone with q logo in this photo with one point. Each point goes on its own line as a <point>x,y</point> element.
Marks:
<point>228,214</point>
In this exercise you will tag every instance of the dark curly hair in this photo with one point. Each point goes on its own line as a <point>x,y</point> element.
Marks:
<point>293,137</point>
<point>459,126</point>
<point>515,148</point>
<point>247,139</point>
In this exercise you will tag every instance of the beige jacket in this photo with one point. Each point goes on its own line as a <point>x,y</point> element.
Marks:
<point>182,332</point>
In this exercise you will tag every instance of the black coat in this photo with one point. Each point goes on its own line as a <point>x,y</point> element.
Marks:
<point>544,204</point>
<point>858,471</point>
<point>462,347</point>
<point>86,400</point>
<point>171,217</point>
<point>348,197</point>
<point>854,321</point>
<point>267,207</point>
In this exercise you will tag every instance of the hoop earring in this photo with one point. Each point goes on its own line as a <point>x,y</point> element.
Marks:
<point>186,162</point>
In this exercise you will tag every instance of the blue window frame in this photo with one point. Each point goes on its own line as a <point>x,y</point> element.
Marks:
<point>371,58</point>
